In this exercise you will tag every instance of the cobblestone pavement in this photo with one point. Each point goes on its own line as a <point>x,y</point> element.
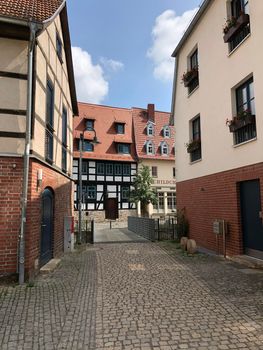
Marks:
<point>136,296</point>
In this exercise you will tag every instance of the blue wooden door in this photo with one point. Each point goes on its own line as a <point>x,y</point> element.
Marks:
<point>251,218</point>
<point>47,224</point>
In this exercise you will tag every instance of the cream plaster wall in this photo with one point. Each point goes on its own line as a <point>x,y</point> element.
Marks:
<point>13,93</point>
<point>219,73</point>
<point>48,66</point>
<point>164,172</point>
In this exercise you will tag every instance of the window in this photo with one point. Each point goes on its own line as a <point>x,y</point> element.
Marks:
<point>119,128</point>
<point>49,121</point>
<point>100,168</point>
<point>123,148</point>
<point>59,47</point>
<point>109,169</point>
<point>150,129</point>
<point>125,193</point>
<point>118,169</point>
<point>237,33</point>
<point>87,146</point>
<point>154,171</point>
<point>64,139</point>
<point>164,148</point>
<point>196,137</point>
<point>245,102</point>
<point>91,192</point>
<point>174,173</point>
<point>194,79</point>
<point>149,147</point>
<point>171,200</point>
<point>160,201</point>
<point>84,167</point>
<point>166,131</point>
<point>126,169</point>
<point>90,124</point>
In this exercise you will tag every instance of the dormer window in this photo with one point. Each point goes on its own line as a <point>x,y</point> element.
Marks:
<point>59,47</point>
<point>149,147</point>
<point>87,146</point>
<point>164,148</point>
<point>150,129</point>
<point>119,128</point>
<point>167,131</point>
<point>90,124</point>
<point>123,148</point>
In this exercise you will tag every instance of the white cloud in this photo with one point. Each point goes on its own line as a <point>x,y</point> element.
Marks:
<point>111,65</point>
<point>90,82</point>
<point>167,32</point>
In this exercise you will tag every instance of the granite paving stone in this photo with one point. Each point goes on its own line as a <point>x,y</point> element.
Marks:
<point>135,295</point>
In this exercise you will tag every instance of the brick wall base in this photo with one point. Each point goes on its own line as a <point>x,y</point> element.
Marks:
<point>212,197</point>
<point>11,175</point>
<point>99,215</point>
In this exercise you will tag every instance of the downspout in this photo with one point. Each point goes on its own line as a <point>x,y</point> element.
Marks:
<point>34,27</point>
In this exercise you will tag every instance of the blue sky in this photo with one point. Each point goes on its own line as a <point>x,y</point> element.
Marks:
<point>122,48</point>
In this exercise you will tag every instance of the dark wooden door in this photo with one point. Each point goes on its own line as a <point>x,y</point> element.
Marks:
<point>251,218</point>
<point>111,209</point>
<point>46,227</point>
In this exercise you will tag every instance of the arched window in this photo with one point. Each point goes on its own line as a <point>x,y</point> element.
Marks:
<point>164,148</point>
<point>150,129</point>
<point>149,147</point>
<point>166,131</point>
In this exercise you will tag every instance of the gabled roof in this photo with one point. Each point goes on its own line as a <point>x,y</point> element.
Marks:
<point>104,125</point>
<point>140,121</point>
<point>192,25</point>
<point>29,10</point>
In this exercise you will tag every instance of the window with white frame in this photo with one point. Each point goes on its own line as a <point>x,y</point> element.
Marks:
<point>149,147</point>
<point>150,129</point>
<point>164,148</point>
<point>167,131</point>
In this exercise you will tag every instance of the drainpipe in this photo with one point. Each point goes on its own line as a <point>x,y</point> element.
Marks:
<point>34,27</point>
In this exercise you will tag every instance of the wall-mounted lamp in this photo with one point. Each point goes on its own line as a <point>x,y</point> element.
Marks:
<point>39,177</point>
<point>14,165</point>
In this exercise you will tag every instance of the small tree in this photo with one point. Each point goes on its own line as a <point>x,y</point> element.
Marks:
<point>143,192</point>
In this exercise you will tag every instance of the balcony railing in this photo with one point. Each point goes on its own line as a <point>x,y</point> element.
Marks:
<point>234,26</point>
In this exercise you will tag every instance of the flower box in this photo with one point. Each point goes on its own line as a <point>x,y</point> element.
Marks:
<point>189,76</point>
<point>232,27</point>
<point>239,122</point>
<point>193,146</point>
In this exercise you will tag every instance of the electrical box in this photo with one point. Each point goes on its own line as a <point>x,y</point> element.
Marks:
<point>218,227</point>
<point>68,234</point>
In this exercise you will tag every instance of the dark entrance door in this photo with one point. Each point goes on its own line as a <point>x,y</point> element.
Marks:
<point>111,208</point>
<point>46,227</point>
<point>251,218</point>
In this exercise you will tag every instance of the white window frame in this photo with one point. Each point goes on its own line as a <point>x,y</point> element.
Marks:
<point>148,145</point>
<point>167,131</point>
<point>150,129</point>
<point>164,145</point>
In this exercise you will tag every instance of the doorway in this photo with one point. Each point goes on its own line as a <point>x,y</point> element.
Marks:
<point>251,217</point>
<point>47,224</point>
<point>111,208</point>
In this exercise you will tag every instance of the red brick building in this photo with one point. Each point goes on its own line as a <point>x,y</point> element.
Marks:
<point>36,53</point>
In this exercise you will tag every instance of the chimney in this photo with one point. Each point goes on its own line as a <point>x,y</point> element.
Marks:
<point>151,114</point>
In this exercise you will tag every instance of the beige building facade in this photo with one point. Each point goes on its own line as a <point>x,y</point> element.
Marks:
<point>217,110</point>
<point>37,104</point>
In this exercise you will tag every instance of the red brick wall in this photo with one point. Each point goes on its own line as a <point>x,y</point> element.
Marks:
<point>10,212</point>
<point>10,190</point>
<point>216,197</point>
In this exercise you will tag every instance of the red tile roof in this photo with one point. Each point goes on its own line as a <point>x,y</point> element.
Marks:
<point>104,124</point>
<point>161,119</point>
<point>36,10</point>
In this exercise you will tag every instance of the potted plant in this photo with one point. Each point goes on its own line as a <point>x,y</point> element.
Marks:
<point>233,25</point>
<point>193,145</point>
<point>189,76</point>
<point>242,119</point>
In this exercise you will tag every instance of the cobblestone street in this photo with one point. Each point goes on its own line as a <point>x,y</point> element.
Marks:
<point>136,296</point>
